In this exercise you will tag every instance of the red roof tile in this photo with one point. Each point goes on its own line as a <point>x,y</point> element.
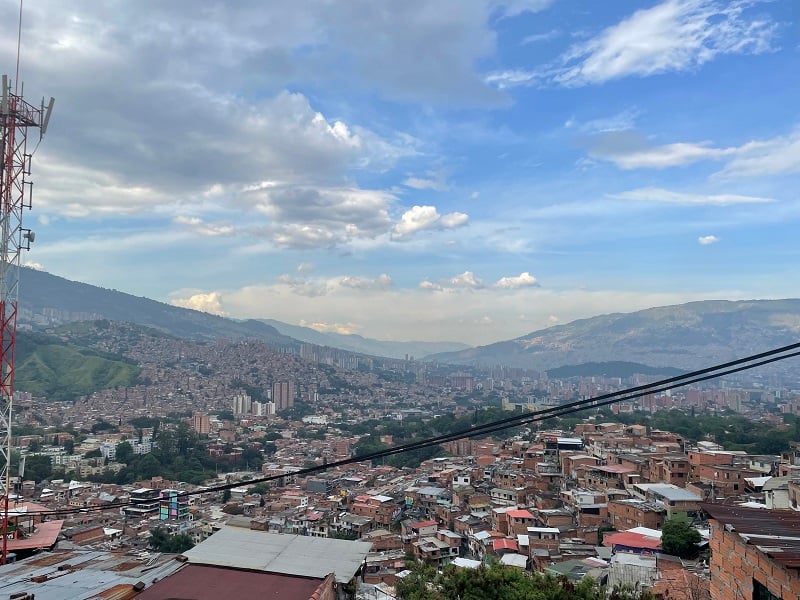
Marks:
<point>632,540</point>
<point>505,544</point>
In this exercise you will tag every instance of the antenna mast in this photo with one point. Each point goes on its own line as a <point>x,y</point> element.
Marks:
<point>16,117</point>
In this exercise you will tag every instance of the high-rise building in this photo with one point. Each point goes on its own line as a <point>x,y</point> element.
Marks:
<point>242,403</point>
<point>283,394</point>
<point>263,409</point>
<point>201,424</point>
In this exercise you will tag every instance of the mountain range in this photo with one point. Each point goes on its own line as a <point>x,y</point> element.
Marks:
<point>42,292</point>
<point>683,336</point>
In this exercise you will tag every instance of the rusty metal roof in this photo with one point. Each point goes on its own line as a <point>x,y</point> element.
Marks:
<point>207,582</point>
<point>776,533</point>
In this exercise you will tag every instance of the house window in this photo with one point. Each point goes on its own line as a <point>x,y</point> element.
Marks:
<point>760,592</point>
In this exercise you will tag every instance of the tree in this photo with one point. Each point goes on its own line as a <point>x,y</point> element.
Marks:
<point>226,495</point>
<point>124,453</point>
<point>38,467</point>
<point>679,538</point>
<point>149,467</point>
<point>495,582</point>
<point>162,541</point>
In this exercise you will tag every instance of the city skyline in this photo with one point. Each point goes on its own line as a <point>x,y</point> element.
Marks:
<point>458,171</point>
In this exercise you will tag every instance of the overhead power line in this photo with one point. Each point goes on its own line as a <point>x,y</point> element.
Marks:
<point>633,393</point>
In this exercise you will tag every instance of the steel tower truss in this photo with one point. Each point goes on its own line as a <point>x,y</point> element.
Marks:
<point>16,118</point>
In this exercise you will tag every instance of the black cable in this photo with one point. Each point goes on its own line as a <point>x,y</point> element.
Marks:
<point>633,393</point>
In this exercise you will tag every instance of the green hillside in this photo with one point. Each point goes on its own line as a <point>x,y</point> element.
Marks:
<point>58,371</point>
<point>611,369</point>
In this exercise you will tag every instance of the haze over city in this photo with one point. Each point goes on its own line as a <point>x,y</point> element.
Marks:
<point>466,171</point>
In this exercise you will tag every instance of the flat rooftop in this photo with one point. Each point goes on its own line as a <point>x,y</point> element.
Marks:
<point>279,553</point>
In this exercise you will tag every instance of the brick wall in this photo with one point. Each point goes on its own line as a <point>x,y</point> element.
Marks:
<point>734,566</point>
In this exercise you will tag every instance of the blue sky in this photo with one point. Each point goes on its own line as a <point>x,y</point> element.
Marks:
<point>467,170</point>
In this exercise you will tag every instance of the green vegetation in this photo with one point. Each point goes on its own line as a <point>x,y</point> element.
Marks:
<point>498,582</point>
<point>38,468</point>
<point>48,367</point>
<point>162,541</point>
<point>679,538</point>
<point>412,458</point>
<point>178,455</point>
<point>610,369</point>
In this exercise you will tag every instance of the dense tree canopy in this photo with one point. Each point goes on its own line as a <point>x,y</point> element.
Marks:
<point>38,467</point>
<point>679,538</point>
<point>162,541</point>
<point>497,582</point>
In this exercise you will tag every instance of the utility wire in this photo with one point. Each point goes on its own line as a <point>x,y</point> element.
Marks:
<point>720,370</point>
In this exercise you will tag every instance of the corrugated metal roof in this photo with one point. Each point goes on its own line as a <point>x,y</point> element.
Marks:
<point>202,582</point>
<point>280,553</point>
<point>776,533</point>
<point>514,560</point>
<point>84,574</point>
<point>45,536</point>
<point>673,492</point>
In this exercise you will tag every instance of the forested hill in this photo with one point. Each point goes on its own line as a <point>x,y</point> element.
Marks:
<point>684,336</point>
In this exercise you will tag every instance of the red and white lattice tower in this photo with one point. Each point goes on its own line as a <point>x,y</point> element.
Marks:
<point>17,117</point>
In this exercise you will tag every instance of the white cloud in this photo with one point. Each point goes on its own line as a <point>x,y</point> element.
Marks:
<point>200,227</point>
<point>668,155</point>
<point>33,265</point>
<point>453,220</point>
<point>628,149</point>
<point>313,217</point>
<point>675,35</point>
<point>210,302</point>
<point>306,267</point>
<point>429,285</point>
<point>512,283</point>
<point>445,316</point>
<point>511,78</point>
<point>434,180</point>
<point>304,287</point>
<point>776,156</point>
<point>341,328</point>
<point>707,240</point>
<point>382,282</point>
<point>622,121</point>
<point>422,218</point>
<point>541,37</point>
<point>670,197</point>
<point>467,280</point>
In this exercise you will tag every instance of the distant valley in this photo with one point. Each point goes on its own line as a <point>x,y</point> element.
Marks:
<point>362,345</point>
<point>683,336</point>
<point>44,294</point>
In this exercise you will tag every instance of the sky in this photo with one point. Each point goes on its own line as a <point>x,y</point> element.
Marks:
<point>457,170</point>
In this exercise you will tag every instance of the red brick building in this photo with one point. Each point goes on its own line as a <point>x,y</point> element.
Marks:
<point>755,553</point>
